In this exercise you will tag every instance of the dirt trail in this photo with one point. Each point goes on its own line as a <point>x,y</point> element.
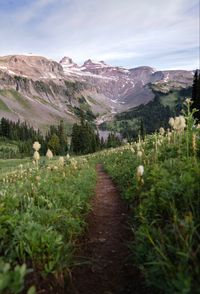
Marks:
<point>108,270</point>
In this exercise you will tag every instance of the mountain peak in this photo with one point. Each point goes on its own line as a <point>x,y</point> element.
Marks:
<point>68,62</point>
<point>94,64</point>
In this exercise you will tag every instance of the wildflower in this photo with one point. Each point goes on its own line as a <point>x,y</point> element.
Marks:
<point>38,178</point>
<point>68,156</point>
<point>182,122</point>
<point>140,171</point>
<point>179,123</point>
<point>139,153</point>
<point>171,122</point>
<point>36,156</point>
<point>188,101</point>
<point>36,146</point>
<point>61,161</point>
<point>74,163</point>
<point>49,154</point>
<point>169,134</point>
<point>162,131</point>
<point>132,150</point>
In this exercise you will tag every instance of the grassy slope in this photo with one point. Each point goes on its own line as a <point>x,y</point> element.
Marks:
<point>13,94</point>
<point>3,106</point>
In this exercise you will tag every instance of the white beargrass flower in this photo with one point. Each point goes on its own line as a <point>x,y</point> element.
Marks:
<point>49,154</point>
<point>188,101</point>
<point>183,121</point>
<point>140,171</point>
<point>74,163</point>
<point>38,178</point>
<point>61,161</point>
<point>68,156</point>
<point>179,123</point>
<point>139,153</point>
<point>36,146</point>
<point>161,131</point>
<point>36,156</point>
<point>171,122</point>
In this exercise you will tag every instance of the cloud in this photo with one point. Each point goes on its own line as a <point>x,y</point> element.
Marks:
<point>130,32</point>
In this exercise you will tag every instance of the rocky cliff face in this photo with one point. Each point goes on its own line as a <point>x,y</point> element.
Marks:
<point>42,91</point>
<point>127,87</point>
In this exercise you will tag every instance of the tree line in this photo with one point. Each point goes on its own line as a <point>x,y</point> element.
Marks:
<point>83,139</point>
<point>196,94</point>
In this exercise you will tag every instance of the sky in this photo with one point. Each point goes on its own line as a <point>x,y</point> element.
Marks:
<point>130,33</point>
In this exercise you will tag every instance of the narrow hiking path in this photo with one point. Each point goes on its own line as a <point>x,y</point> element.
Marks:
<point>107,269</point>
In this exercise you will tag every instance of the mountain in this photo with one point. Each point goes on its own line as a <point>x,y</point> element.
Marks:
<point>43,91</point>
<point>36,89</point>
<point>128,87</point>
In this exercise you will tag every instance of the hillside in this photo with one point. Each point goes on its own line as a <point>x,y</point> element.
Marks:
<point>147,118</point>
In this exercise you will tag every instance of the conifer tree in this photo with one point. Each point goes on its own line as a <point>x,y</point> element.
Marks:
<point>196,94</point>
<point>54,144</point>
<point>62,138</point>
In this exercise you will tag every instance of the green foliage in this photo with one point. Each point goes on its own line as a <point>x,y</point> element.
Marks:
<point>9,149</point>
<point>42,87</point>
<point>11,280</point>
<point>84,113</point>
<point>42,213</point>
<point>3,106</point>
<point>15,95</point>
<point>196,94</point>
<point>54,144</point>
<point>73,87</point>
<point>84,139</point>
<point>16,139</point>
<point>164,205</point>
<point>56,139</point>
<point>113,141</point>
<point>154,114</point>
